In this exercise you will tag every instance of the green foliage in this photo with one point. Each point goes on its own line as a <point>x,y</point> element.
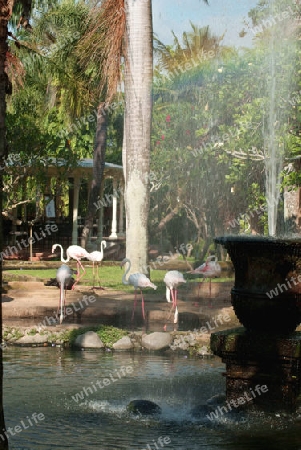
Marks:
<point>32,332</point>
<point>209,118</point>
<point>211,128</point>
<point>52,114</point>
<point>108,334</point>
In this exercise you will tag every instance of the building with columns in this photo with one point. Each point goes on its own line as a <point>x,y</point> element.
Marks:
<point>109,222</point>
<point>60,206</point>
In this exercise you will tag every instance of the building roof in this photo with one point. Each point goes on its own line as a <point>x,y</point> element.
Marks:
<point>84,168</point>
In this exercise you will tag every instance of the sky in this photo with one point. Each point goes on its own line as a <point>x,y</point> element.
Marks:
<point>223,16</point>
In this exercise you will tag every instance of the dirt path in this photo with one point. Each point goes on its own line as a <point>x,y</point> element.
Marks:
<point>34,302</point>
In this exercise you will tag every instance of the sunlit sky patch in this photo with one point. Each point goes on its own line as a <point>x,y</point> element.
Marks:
<point>223,16</point>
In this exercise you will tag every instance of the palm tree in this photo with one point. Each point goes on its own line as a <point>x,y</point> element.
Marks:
<point>124,29</point>
<point>194,49</point>
<point>138,116</point>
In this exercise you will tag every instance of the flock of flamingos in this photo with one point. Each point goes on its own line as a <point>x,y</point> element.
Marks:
<point>208,270</point>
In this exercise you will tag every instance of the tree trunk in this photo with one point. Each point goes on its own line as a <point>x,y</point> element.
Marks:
<point>5,13</point>
<point>138,113</point>
<point>99,157</point>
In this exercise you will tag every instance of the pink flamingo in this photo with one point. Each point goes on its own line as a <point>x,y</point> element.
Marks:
<point>63,276</point>
<point>139,281</point>
<point>75,252</point>
<point>172,279</point>
<point>209,269</point>
<point>97,257</point>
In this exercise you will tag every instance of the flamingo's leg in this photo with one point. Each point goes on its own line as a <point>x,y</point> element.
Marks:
<point>142,305</point>
<point>199,285</point>
<point>79,276</point>
<point>59,305</point>
<point>165,326</point>
<point>173,297</point>
<point>175,319</point>
<point>65,302</point>
<point>135,303</point>
<point>210,299</point>
<point>93,274</point>
<point>97,276</point>
<point>62,302</point>
<point>97,273</point>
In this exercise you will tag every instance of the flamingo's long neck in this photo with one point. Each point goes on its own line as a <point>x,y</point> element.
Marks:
<point>124,280</point>
<point>62,257</point>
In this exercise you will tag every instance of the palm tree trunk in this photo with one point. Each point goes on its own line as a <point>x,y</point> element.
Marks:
<point>138,111</point>
<point>99,157</point>
<point>5,13</point>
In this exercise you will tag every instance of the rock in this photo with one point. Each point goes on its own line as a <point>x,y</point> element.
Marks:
<point>32,339</point>
<point>124,343</point>
<point>88,340</point>
<point>216,400</point>
<point>144,407</point>
<point>156,341</point>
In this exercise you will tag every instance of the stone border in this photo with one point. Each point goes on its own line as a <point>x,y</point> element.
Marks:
<point>191,342</point>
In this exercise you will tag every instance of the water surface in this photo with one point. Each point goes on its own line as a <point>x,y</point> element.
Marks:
<point>83,397</point>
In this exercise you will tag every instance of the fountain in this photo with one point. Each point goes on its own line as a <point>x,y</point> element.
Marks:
<point>266,297</point>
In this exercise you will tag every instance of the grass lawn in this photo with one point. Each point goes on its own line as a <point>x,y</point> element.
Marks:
<point>110,277</point>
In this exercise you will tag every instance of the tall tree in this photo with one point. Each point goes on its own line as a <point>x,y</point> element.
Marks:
<point>5,14</point>
<point>138,113</point>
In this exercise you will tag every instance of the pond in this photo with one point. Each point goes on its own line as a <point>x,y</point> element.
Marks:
<point>55,398</point>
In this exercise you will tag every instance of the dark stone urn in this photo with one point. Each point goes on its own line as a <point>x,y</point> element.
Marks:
<point>267,292</point>
<point>266,298</point>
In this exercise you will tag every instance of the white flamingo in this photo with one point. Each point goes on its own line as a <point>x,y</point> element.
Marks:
<point>209,269</point>
<point>63,276</point>
<point>75,252</point>
<point>97,257</point>
<point>139,281</point>
<point>172,279</point>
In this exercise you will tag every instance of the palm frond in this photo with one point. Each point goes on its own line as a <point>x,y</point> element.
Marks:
<point>102,45</point>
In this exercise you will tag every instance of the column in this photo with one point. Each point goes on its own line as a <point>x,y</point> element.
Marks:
<point>113,234</point>
<point>76,188</point>
<point>100,221</point>
<point>121,208</point>
<point>89,244</point>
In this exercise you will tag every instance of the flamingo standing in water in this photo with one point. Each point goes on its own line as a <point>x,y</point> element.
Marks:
<point>139,281</point>
<point>75,252</point>
<point>63,277</point>
<point>209,269</point>
<point>97,257</point>
<point>172,279</point>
